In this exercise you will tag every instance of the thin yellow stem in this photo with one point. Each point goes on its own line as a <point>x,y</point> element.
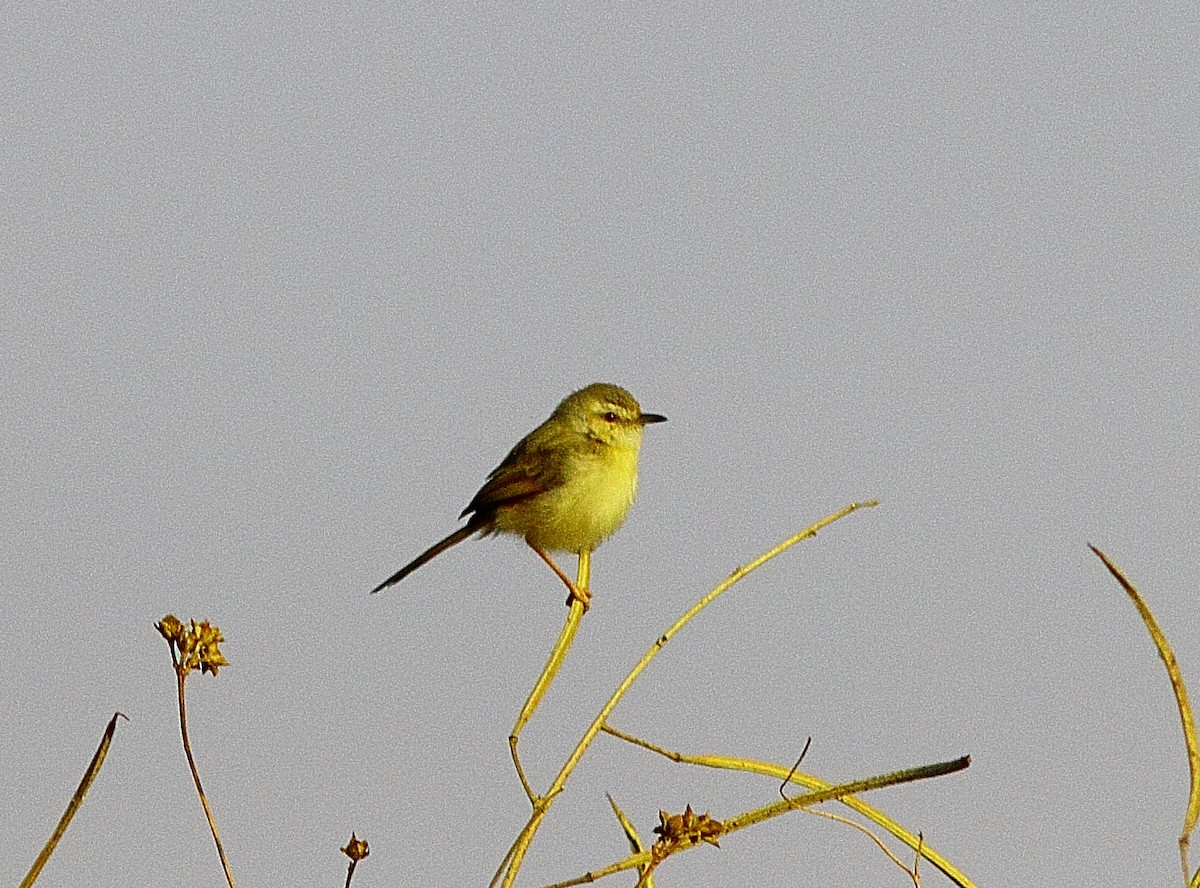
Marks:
<point>646,876</point>
<point>550,670</point>
<point>520,846</point>
<point>1192,814</point>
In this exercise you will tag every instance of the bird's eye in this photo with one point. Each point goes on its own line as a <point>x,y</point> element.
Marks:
<point>610,417</point>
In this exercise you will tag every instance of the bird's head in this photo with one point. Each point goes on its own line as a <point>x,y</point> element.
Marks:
<point>608,414</point>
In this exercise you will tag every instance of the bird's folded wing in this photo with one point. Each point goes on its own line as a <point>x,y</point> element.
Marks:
<point>524,474</point>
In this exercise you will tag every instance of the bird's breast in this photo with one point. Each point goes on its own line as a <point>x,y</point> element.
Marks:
<point>587,507</point>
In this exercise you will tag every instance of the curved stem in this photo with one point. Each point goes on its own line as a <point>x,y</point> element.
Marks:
<point>542,805</point>
<point>553,662</point>
<point>180,674</point>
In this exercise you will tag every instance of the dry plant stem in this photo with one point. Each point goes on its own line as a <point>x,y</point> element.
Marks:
<point>916,867</point>
<point>553,662</point>
<point>520,847</point>
<point>646,878</point>
<point>924,772</point>
<point>646,874</point>
<point>779,772</point>
<point>854,824</point>
<point>85,784</point>
<point>181,674</point>
<point>749,818</point>
<point>1181,701</point>
<point>627,827</point>
<point>350,872</point>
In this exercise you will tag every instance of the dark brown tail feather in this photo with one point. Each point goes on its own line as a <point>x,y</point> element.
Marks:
<point>432,552</point>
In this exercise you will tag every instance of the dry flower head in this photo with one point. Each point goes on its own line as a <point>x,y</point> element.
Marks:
<point>193,647</point>
<point>356,849</point>
<point>677,831</point>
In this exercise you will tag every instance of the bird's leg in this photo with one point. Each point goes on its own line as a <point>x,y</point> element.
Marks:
<point>583,596</point>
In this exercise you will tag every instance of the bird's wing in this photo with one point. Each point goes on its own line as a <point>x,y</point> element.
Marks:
<point>526,472</point>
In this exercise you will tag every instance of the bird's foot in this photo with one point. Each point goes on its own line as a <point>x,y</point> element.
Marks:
<point>583,596</point>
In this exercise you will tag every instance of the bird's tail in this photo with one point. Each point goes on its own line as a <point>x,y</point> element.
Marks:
<point>432,552</point>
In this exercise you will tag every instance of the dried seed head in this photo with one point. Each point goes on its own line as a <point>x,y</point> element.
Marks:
<point>356,849</point>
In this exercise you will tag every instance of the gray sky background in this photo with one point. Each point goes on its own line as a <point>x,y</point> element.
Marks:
<point>281,285</point>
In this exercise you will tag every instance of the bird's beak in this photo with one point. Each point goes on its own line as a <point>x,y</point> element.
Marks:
<point>647,418</point>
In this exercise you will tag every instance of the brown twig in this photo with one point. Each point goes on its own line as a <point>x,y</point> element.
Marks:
<point>195,649</point>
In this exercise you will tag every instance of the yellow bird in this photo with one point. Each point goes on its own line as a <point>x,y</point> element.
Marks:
<point>567,485</point>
